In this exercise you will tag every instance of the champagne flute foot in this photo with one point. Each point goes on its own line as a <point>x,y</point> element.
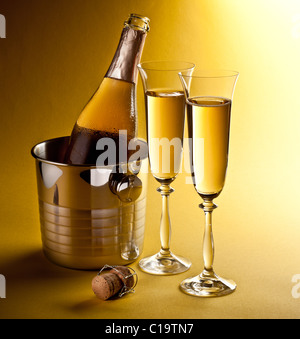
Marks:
<point>207,286</point>
<point>164,264</point>
<point>130,254</point>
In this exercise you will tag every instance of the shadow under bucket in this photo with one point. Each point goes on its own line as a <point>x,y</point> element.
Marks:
<point>90,216</point>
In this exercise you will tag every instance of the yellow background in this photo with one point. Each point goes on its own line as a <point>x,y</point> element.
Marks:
<point>55,55</point>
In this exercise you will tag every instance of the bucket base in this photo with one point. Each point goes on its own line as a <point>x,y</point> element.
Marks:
<point>84,263</point>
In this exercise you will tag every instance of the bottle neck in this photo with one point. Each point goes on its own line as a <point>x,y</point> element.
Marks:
<point>128,55</point>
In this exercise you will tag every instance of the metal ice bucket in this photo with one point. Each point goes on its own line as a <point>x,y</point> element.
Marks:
<point>90,216</point>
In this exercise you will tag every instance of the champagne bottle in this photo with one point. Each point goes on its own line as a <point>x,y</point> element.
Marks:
<point>113,107</point>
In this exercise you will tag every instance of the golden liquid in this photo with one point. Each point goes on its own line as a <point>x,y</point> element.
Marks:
<point>165,128</point>
<point>111,110</point>
<point>209,126</point>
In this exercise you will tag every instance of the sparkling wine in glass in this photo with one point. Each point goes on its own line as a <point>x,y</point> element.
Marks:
<point>209,100</point>
<point>165,111</point>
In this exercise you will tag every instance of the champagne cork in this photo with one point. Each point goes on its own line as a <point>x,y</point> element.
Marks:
<point>111,283</point>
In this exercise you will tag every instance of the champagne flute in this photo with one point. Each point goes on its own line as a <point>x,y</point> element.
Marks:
<point>209,99</point>
<point>165,110</point>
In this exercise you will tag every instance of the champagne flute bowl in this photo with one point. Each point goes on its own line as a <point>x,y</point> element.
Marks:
<point>209,100</point>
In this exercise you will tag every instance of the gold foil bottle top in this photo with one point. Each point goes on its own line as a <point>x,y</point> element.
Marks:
<point>138,22</point>
<point>129,51</point>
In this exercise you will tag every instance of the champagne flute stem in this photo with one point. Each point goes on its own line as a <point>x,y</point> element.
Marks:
<point>208,242</point>
<point>165,225</point>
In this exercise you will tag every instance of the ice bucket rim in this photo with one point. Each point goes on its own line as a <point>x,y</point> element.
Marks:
<point>92,166</point>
